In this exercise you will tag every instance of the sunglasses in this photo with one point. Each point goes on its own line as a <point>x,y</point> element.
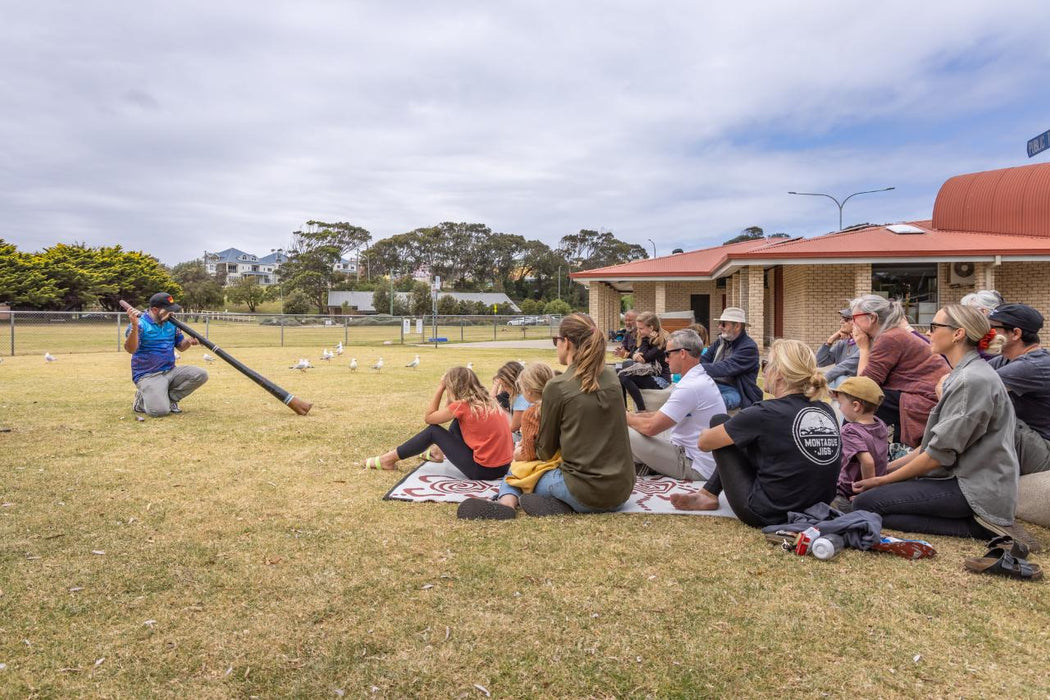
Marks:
<point>858,315</point>
<point>555,339</point>
<point>934,325</point>
<point>670,350</point>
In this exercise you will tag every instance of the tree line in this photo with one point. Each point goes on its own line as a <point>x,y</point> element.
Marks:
<point>469,257</point>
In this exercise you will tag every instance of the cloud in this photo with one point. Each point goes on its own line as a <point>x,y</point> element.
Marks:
<point>203,125</point>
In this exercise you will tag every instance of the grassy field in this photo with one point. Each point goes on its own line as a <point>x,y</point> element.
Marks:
<point>239,550</point>
<point>58,335</point>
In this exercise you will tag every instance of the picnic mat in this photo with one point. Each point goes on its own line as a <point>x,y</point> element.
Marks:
<point>440,482</point>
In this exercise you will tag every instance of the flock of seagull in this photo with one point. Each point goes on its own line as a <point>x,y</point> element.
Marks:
<point>304,364</point>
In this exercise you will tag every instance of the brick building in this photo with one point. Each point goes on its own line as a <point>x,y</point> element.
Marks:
<point>989,230</point>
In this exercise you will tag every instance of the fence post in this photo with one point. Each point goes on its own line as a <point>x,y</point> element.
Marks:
<point>346,328</point>
<point>118,332</point>
<point>13,333</point>
<point>207,326</point>
<point>282,331</point>
<point>493,327</point>
<point>461,330</point>
<point>402,325</point>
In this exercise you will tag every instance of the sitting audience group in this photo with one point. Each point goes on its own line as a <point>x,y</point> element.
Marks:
<point>977,421</point>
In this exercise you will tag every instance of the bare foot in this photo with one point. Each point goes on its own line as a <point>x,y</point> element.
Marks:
<point>701,500</point>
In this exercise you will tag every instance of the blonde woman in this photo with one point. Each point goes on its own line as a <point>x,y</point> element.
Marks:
<point>652,355</point>
<point>478,440</point>
<point>963,479</point>
<point>583,418</point>
<point>778,455</point>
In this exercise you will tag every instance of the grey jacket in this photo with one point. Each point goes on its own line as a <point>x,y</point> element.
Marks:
<point>844,354</point>
<point>971,433</point>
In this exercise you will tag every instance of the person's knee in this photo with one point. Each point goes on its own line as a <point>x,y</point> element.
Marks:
<point>158,411</point>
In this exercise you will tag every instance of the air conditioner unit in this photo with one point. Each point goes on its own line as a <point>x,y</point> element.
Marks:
<point>962,273</point>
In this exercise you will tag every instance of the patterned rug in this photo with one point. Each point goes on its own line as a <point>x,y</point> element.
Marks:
<point>440,482</point>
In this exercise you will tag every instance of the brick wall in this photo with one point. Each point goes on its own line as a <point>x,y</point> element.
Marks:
<point>813,296</point>
<point>947,293</point>
<point>604,306</point>
<point>1025,283</point>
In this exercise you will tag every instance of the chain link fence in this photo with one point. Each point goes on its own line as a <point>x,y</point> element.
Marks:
<point>37,332</point>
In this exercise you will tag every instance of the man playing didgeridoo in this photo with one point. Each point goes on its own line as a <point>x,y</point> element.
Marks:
<point>152,342</point>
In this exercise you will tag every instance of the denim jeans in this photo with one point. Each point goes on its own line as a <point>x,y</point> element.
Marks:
<point>730,395</point>
<point>932,506</point>
<point>552,484</point>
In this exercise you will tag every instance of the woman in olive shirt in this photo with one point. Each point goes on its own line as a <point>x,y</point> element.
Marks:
<point>583,419</point>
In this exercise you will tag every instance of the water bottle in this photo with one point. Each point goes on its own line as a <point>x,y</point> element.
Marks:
<point>827,546</point>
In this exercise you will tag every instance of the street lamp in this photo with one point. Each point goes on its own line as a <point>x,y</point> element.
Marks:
<point>843,203</point>
<point>654,246</point>
<point>277,271</point>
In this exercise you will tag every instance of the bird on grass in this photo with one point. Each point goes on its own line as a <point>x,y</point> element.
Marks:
<point>327,355</point>
<point>48,357</point>
<point>378,366</point>
<point>339,348</point>
<point>302,365</point>
<point>207,358</point>
<point>414,363</point>
<point>353,364</point>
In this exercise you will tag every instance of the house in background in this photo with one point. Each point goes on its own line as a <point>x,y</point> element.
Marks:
<point>237,264</point>
<point>989,230</point>
<point>361,302</point>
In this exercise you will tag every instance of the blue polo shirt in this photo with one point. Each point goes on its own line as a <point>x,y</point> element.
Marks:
<point>156,352</point>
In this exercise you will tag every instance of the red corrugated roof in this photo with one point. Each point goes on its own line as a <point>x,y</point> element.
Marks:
<point>880,242</point>
<point>692,264</point>
<point>1011,200</point>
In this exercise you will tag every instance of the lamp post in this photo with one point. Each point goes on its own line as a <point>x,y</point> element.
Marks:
<point>843,202</point>
<point>277,271</point>
<point>654,246</point>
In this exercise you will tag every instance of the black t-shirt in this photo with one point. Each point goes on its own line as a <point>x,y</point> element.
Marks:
<point>795,446</point>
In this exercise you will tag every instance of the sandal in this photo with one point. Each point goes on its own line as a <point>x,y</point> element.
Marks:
<point>1015,532</point>
<point>376,463</point>
<point>429,456</point>
<point>1005,565</point>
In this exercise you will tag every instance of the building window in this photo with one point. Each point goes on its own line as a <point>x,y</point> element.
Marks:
<point>913,284</point>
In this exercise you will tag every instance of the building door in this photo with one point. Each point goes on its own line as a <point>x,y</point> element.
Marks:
<point>701,306</point>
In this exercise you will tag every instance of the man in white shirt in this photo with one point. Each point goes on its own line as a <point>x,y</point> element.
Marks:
<point>666,440</point>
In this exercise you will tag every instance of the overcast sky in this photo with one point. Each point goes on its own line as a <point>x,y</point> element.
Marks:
<point>181,127</point>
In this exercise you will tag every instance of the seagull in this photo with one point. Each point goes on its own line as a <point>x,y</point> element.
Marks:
<point>302,365</point>
<point>207,358</point>
<point>378,366</point>
<point>326,355</point>
<point>339,348</point>
<point>48,357</point>
<point>414,363</point>
<point>353,364</point>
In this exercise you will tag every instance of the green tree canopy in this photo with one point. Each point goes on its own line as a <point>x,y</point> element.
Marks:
<point>247,291</point>
<point>313,254</point>
<point>24,282</point>
<point>200,291</point>
<point>751,233</point>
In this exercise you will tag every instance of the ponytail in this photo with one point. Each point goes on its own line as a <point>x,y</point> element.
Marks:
<point>589,341</point>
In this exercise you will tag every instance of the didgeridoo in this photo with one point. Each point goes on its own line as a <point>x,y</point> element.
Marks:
<point>298,405</point>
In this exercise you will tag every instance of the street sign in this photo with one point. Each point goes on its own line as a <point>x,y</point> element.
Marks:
<point>1039,144</point>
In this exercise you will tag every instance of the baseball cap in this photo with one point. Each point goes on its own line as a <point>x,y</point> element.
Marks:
<point>1018,316</point>
<point>163,300</point>
<point>862,388</point>
<point>846,312</point>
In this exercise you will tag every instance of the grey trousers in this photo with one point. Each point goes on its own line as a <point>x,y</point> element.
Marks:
<point>1033,450</point>
<point>661,456</point>
<point>158,391</point>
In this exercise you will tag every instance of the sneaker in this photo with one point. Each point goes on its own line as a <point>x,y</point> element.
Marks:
<point>484,509</point>
<point>175,407</point>
<point>909,549</point>
<point>642,469</point>
<point>540,506</point>
<point>138,406</point>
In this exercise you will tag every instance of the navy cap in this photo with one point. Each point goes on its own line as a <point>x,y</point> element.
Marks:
<point>1018,316</point>
<point>163,300</point>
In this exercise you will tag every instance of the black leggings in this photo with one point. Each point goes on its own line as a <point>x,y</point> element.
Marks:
<point>455,448</point>
<point>932,506</point>
<point>735,474</point>
<point>633,385</point>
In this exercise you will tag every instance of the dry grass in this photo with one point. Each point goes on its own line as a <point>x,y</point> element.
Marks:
<point>245,553</point>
